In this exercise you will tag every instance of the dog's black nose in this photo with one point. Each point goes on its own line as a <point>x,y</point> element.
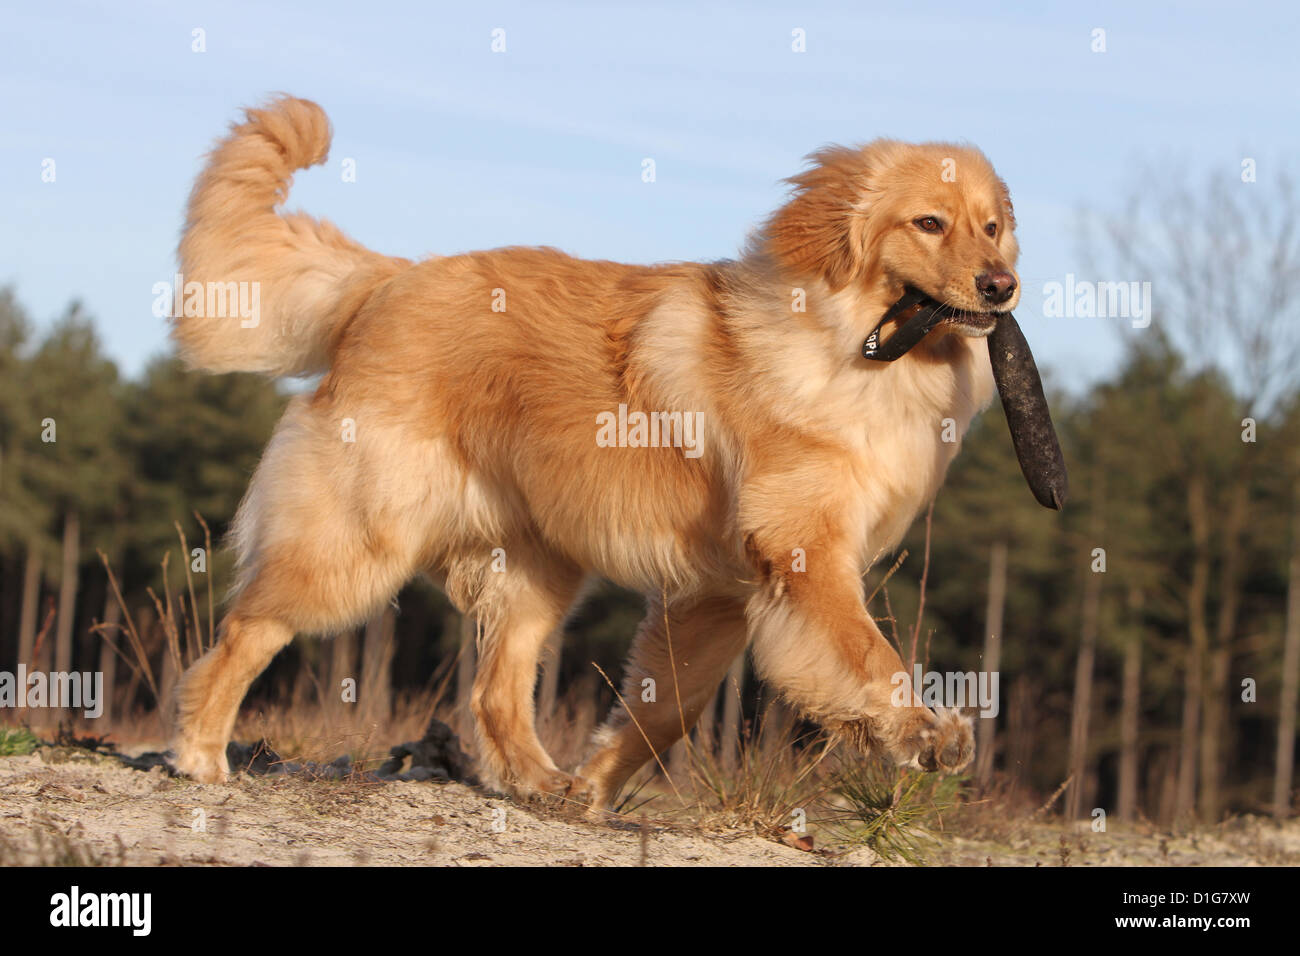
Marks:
<point>996,287</point>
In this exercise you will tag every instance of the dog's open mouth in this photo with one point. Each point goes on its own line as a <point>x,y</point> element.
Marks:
<point>975,324</point>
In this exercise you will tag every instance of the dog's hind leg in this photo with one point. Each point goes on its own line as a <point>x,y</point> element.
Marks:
<point>320,552</point>
<point>686,656</point>
<point>518,604</point>
<point>209,694</point>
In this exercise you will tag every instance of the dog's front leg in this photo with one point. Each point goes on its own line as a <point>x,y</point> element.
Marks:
<point>814,640</point>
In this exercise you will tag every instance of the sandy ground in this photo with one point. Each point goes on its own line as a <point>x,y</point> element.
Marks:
<point>1248,841</point>
<point>56,804</point>
<point>67,806</point>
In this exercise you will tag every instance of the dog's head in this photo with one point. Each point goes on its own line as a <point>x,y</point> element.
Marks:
<point>890,215</point>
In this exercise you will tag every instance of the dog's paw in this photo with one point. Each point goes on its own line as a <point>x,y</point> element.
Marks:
<point>916,737</point>
<point>199,763</point>
<point>555,787</point>
<point>943,741</point>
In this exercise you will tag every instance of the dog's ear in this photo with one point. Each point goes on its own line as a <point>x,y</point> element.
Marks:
<point>821,231</point>
<point>1009,209</point>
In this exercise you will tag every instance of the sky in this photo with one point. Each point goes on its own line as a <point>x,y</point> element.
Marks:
<point>457,147</point>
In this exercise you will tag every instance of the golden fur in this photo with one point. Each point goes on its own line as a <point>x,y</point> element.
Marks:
<point>474,430</point>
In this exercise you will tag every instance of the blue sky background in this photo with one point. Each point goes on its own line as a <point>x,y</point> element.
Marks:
<point>459,148</point>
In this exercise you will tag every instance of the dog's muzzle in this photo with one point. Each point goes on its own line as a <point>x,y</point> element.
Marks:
<point>1016,375</point>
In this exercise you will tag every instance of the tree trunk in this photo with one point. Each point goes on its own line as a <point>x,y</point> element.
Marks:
<point>342,665</point>
<point>1198,629</point>
<point>778,724</point>
<point>67,593</point>
<point>1163,781</point>
<point>549,690</point>
<point>1020,732</point>
<point>167,681</point>
<point>466,665</point>
<point>376,668</point>
<point>1214,711</point>
<point>1082,712</point>
<point>704,728</point>
<point>679,763</point>
<point>1130,709</point>
<point>1286,718</point>
<point>731,690</point>
<point>992,662</point>
<point>1214,725</point>
<point>108,657</point>
<point>31,603</point>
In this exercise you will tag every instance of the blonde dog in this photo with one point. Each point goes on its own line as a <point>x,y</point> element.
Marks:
<point>511,422</point>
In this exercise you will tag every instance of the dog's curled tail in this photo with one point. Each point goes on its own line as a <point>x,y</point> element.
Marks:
<point>261,291</point>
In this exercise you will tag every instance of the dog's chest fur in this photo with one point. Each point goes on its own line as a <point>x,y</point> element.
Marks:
<point>901,424</point>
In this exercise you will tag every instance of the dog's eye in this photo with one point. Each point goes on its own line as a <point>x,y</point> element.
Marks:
<point>928,224</point>
<point>991,229</point>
